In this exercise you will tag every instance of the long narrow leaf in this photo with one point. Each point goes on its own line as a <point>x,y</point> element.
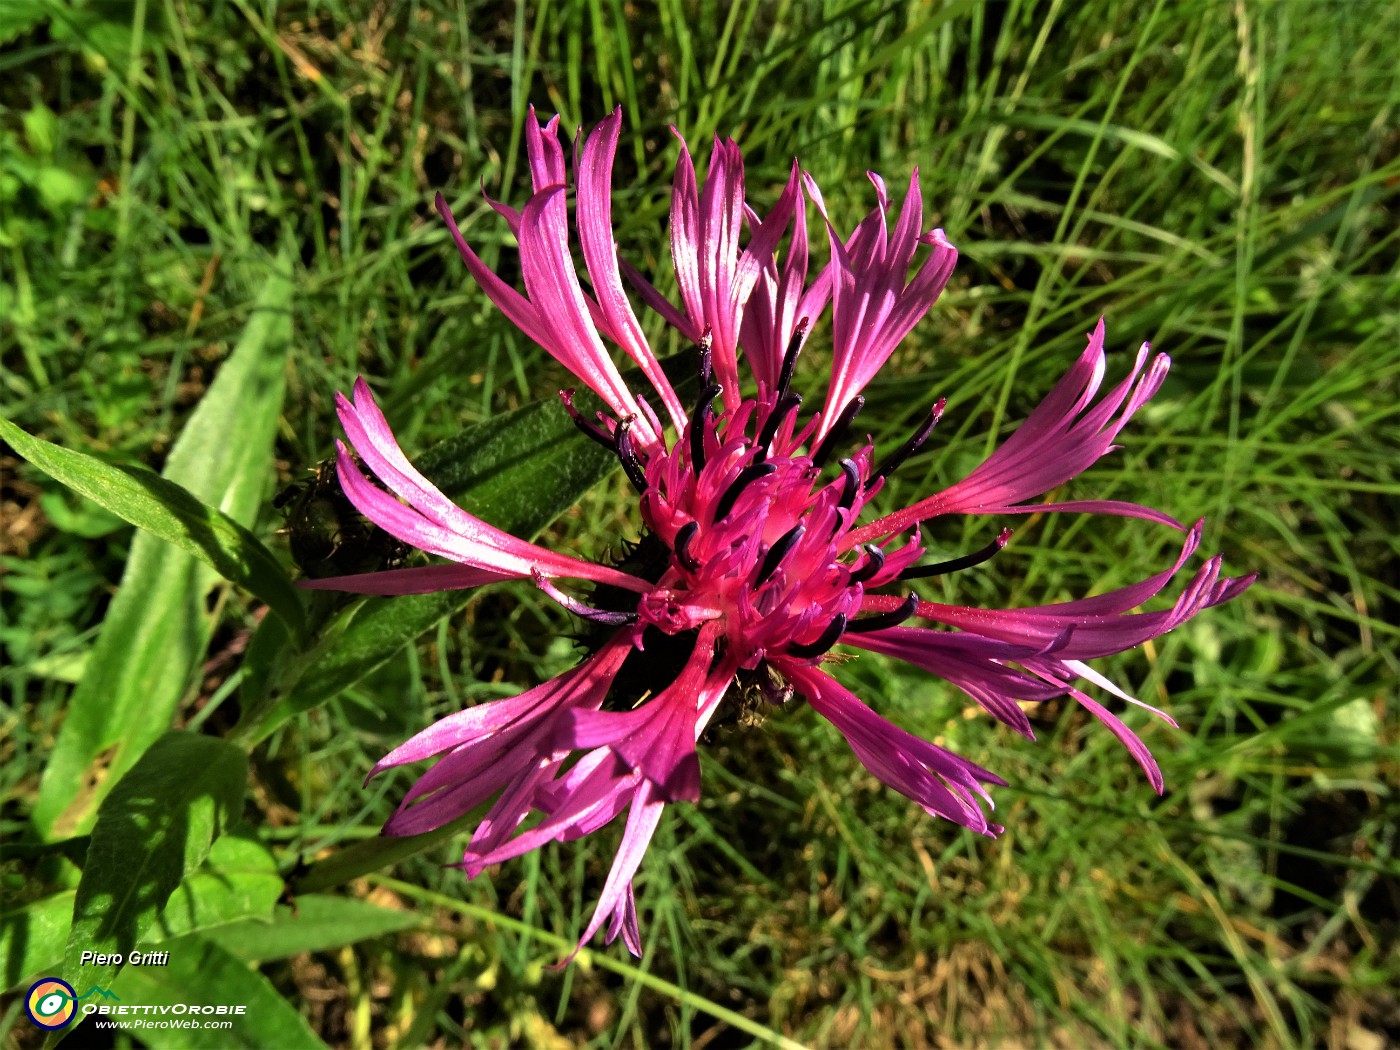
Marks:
<point>157,628</point>
<point>170,512</point>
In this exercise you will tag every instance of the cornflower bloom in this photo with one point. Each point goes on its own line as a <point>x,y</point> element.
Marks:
<point>755,560</point>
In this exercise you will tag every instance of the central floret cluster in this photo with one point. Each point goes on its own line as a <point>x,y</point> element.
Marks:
<point>759,542</point>
<point>753,562</point>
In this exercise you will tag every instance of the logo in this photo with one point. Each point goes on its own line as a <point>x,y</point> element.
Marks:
<point>51,1002</point>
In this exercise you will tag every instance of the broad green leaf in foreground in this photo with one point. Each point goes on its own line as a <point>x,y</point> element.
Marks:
<point>518,472</point>
<point>157,628</point>
<point>32,938</point>
<point>155,827</point>
<point>170,512</point>
<point>316,924</point>
<point>202,973</point>
<point>238,882</point>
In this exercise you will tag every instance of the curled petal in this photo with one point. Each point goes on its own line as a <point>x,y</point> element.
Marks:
<point>1062,438</point>
<point>553,285</point>
<point>431,521</point>
<point>944,784</point>
<point>600,255</point>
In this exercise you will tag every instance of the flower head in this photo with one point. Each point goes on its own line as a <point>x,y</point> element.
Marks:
<point>760,551</point>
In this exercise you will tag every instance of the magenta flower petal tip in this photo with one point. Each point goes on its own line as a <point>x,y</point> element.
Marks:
<point>761,550</point>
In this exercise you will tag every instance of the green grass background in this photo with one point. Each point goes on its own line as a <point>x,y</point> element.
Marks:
<point>1219,178</point>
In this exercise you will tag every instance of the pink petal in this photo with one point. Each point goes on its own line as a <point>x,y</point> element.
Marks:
<point>600,256</point>
<point>554,289</point>
<point>945,784</point>
<point>432,522</point>
<point>615,899</point>
<point>1061,438</point>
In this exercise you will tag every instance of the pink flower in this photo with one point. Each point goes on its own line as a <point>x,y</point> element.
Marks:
<point>757,558</point>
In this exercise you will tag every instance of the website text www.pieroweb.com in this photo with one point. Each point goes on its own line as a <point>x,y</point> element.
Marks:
<point>53,1004</point>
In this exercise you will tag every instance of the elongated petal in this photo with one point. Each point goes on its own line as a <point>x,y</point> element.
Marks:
<point>592,801</point>
<point>658,738</point>
<point>515,306</point>
<point>1129,739</point>
<point>600,255</point>
<point>943,783</point>
<point>873,308</point>
<point>982,668</point>
<point>431,521</point>
<point>554,289</point>
<point>686,236</point>
<point>772,308</point>
<point>615,902</point>
<point>1091,627</point>
<point>1063,437</point>
<point>543,149</point>
<point>583,683</point>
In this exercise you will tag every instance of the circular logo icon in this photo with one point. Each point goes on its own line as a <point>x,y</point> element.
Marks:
<point>50,1003</point>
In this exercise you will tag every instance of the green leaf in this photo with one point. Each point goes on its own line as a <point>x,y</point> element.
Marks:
<point>20,16</point>
<point>518,472</point>
<point>154,828</point>
<point>32,938</point>
<point>238,882</point>
<point>522,469</point>
<point>170,512</point>
<point>370,855</point>
<point>157,628</point>
<point>41,129</point>
<point>199,972</point>
<point>314,924</point>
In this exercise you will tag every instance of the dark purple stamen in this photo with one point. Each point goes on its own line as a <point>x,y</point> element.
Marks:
<point>893,618</point>
<point>790,357</point>
<point>897,458</point>
<point>699,424</point>
<point>838,431</point>
<point>781,408</point>
<point>780,550</point>
<point>707,371</point>
<point>631,463</point>
<point>875,561</point>
<point>829,637</point>
<point>967,561</point>
<point>849,484</point>
<point>684,538</point>
<point>746,476</point>
<point>593,430</point>
<point>608,619</point>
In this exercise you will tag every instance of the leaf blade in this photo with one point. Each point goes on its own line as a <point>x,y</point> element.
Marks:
<point>200,972</point>
<point>157,628</point>
<point>170,512</point>
<point>154,828</point>
<point>318,923</point>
